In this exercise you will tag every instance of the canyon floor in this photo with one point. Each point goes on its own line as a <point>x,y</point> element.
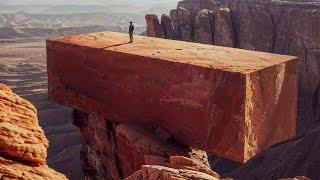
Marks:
<point>23,68</point>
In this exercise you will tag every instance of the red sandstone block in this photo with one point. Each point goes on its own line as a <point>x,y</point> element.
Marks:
<point>231,102</point>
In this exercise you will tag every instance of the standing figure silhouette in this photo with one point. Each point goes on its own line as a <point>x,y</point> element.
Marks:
<point>131,29</point>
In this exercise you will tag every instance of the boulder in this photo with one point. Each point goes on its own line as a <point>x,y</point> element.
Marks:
<point>99,155</point>
<point>271,26</point>
<point>184,24</point>
<point>223,31</point>
<point>230,102</point>
<point>154,28</point>
<point>154,172</point>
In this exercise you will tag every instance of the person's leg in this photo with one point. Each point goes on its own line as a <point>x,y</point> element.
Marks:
<point>131,37</point>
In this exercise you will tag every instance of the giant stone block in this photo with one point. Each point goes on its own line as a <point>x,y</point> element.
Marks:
<point>231,102</point>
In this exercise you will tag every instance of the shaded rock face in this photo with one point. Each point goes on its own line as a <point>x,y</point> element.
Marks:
<point>273,26</point>
<point>204,27</point>
<point>115,152</point>
<point>154,172</point>
<point>154,28</point>
<point>98,151</point>
<point>23,145</point>
<point>296,157</point>
<point>168,28</point>
<point>230,102</point>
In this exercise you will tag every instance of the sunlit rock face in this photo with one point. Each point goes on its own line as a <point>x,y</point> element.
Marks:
<point>229,102</point>
<point>284,27</point>
<point>23,145</point>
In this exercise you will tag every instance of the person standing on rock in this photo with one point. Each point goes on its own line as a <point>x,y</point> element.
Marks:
<point>131,29</point>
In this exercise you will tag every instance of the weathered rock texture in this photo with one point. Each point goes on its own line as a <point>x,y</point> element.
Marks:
<point>98,152</point>
<point>23,145</point>
<point>230,102</point>
<point>155,29</point>
<point>154,172</point>
<point>285,27</point>
<point>297,157</point>
<point>114,152</point>
<point>137,146</point>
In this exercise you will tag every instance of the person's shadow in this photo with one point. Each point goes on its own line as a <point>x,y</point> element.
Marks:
<point>116,45</point>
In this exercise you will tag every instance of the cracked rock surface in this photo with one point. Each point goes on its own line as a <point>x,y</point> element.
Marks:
<point>283,27</point>
<point>23,145</point>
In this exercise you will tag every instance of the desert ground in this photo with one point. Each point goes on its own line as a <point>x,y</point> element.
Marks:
<point>23,68</point>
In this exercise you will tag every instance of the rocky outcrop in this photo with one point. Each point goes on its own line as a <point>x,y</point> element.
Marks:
<point>20,135</point>
<point>284,27</point>
<point>154,172</point>
<point>23,145</point>
<point>138,146</point>
<point>114,152</point>
<point>11,169</point>
<point>222,100</point>
<point>204,27</point>
<point>154,28</point>
<point>98,152</point>
<point>297,157</point>
<point>168,28</point>
<point>223,30</point>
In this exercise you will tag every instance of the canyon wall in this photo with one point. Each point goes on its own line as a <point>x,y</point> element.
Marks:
<point>23,145</point>
<point>284,27</point>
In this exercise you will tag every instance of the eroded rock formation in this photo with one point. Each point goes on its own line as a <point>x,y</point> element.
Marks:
<point>155,29</point>
<point>115,151</point>
<point>299,156</point>
<point>23,145</point>
<point>230,102</point>
<point>154,172</point>
<point>285,27</point>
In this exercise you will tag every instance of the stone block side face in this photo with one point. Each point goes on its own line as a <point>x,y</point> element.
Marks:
<point>226,110</point>
<point>271,107</point>
<point>201,107</point>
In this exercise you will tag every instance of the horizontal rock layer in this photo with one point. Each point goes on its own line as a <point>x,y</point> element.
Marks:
<point>15,170</point>
<point>218,99</point>
<point>262,25</point>
<point>23,145</point>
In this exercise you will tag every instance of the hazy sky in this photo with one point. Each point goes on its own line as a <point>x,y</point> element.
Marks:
<point>83,2</point>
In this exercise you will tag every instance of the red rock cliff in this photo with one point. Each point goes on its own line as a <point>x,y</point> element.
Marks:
<point>284,27</point>
<point>23,145</point>
<point>230,102</point>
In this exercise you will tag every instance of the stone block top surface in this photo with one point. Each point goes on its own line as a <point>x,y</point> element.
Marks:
<point>224,58</point>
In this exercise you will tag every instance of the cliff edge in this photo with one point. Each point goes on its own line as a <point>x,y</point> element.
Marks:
<point>23,145</point>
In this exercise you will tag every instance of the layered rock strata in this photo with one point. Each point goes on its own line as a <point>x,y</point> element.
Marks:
<point>23,145</point>
<point>284,27</point>
<point>230,102</point>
